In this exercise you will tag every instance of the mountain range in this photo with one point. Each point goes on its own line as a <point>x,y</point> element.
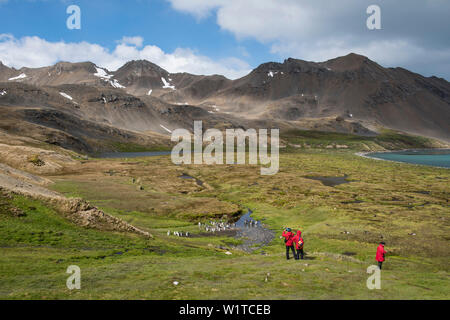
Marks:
<point>84,107</point>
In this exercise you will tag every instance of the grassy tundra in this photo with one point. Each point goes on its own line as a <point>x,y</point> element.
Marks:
<point>407,206</point>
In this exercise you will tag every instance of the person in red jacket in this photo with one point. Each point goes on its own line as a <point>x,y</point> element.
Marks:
<point>380,257</point>
<point>298,241</point>
<point>289,241</point>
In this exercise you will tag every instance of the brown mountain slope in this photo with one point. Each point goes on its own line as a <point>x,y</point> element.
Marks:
<point>352,87</point>
<point>145,78</point>
<point>100,118</point>
<point>85,73</point>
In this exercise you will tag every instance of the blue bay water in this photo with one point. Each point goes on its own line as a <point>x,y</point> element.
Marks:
<point>435,158</point>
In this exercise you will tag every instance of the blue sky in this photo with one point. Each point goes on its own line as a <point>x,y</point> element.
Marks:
<point>223,36</point>
<point>105,22</point>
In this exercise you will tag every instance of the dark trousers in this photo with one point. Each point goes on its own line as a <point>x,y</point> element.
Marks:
<point>293,251</point>
<point>380,264</point>
<point>300,253</point>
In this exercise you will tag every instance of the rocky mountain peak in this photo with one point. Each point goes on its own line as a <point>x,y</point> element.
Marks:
<point>64,66</point>
<point>269,66</point>
<point>141,68</point>
<point>350,62</point>
<point>2,66</point>
<point>297,66</point>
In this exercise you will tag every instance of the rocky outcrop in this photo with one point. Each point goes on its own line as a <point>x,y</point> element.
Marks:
<point>84,214</point>
<point>78,211</point>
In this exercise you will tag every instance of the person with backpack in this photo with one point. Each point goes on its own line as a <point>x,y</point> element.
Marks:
<point>289,241</point>
<point>380,256</point>
<point>298,241</point>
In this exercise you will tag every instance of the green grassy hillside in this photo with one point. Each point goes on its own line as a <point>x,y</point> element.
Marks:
<point>404,205</point>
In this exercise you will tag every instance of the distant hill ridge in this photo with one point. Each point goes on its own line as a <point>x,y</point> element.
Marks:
<point>351,87</point>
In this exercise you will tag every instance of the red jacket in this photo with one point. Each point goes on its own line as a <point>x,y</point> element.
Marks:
<point>298,240</point>
<point>380,253</point>
<point>289,238</point>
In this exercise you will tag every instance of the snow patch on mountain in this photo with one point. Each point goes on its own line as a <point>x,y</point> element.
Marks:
<point>116,84</point>
<point>21,76</point>
<point>272,73</point>
<point>65,95</point>
<point>168,130</point>
<point>3,93</point>
<point>149,93</point>
<point>101,73</point>
<point>167,84</point>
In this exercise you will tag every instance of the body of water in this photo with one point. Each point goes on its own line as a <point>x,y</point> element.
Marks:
<point>435,157</point>
<point>253,232</point>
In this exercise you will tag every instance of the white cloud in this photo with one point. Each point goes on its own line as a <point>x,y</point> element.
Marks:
<point>390,53</point>
<point>270,20</point>
<point>37,52</point>
<point>413,33</point>
<point>136,41</point>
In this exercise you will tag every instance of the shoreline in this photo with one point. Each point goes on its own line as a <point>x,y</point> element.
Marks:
<point>367,156</point>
